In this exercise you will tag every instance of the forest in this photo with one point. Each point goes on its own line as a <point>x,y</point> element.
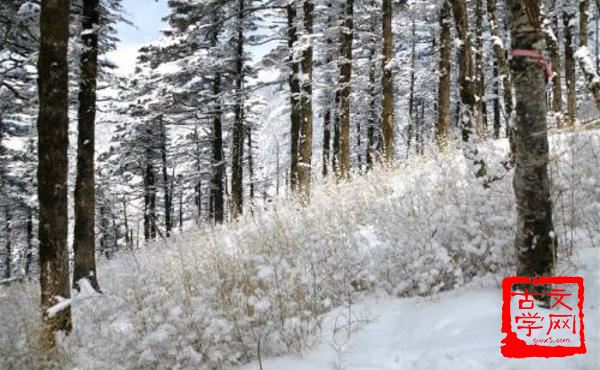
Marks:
<point>295,184</point>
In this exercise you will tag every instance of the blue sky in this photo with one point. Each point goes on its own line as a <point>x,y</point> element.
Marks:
<point>146,16</point>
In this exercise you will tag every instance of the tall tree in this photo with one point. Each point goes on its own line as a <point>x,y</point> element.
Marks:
<point>306,123</point>
<point>300,81</point>
<point>535,240</point>
<point>53,164</point>
<point>373,130</point>
<point>294,83</point>
<point>344,86</point>
<point>466,71</point>
<point>84,237</point>
<point>387,119</point>
<point>327,94</point>
<point>443,119</point>
<point>166,182</point>
<point>237,149</point>
<point>550,27</point>
<point>467,87</point>
<point>480,68</point>
<point>411,97</point>
<point>592,79</point>
<point>217,178</point>
<point>502,66</point>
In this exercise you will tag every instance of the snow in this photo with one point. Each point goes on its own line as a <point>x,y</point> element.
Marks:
<point>497,41</point>
<point>62,304</point>
<point>459,329</point>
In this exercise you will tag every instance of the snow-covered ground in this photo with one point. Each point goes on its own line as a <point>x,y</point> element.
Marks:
<point>398,269</point>
<point>459,329</point>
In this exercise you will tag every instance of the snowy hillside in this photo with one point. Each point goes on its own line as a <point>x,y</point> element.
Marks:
<point>398,269</point>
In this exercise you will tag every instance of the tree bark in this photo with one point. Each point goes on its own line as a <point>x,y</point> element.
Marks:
<point>344,86</point>
<point>497,120</point>
<point>326,141</point>
<point>53,165</point>
<point>217,165</point>
<point>466,71</point>
<point>306,124</point>
<point>250,165</point>
<point>8,243</point>
<point>168,198</point>
<point>327,103</point>
<point>128,241</point>
<point>29,250</point>
<point>467,88</point>
<point>372,120</point>
<point>554,48</point>
<point>568,18</point>
<point>387,119</point>
<point>480,69</point>
<point>443,119</point>
<point>592,79</point>
<point>84,236</point>
<point>503,69</point>
<point>535,240</point>
<point>294,83</point>
<point>411,97</point>
<point>149,198</point>
<point>237,149</point>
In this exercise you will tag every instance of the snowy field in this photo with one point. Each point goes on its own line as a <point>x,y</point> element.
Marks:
<point>399,269</point>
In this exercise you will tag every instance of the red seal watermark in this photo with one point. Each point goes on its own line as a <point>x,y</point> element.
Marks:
<point>535,331</point>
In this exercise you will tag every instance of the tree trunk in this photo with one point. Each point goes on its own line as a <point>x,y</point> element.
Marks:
<point>128,241</point>
<point>497,121</point>
<point>168,199</point>
<point>327,93</point>
<point>149,198</point>
<point>344,86</point>
<point>8,243</point>
<point>180,210</point>
<point>29,232</point>
<point>84,237</point>
<point>250,165</point>
<point>568,18</point>
<point>443,119</point>
<point>104,229</point>
<point>294,83</point>
<point>503,69</point>
<point>306,124</point>
<point>387,119</point>
<point>592,79</point>
<point>480,69</point>
<point>411,96</point>
<point>466,78</point>
<point>535,239</point>
<point>335,158</point>
<point>198,199</point>
<point>597,39</point>
<point>466,72</point>
<point>237,148</point>
<point>372,120</point>
<point>217,165</point>
<point>326,140</point>
<point>53,165</point>
<point>554,48</point>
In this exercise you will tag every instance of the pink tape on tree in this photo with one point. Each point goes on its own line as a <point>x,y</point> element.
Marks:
<point>534,55</point>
